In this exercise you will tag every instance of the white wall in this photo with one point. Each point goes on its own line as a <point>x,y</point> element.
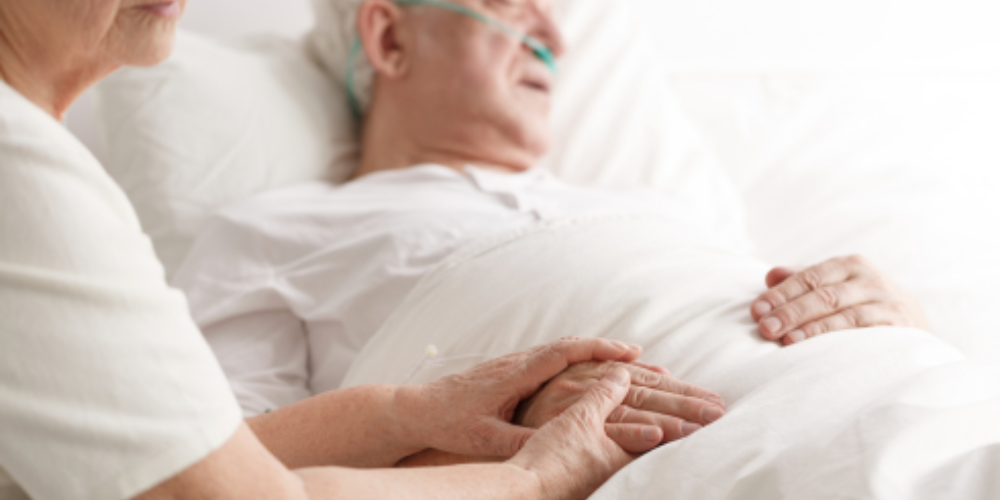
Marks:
<point>828,34</point>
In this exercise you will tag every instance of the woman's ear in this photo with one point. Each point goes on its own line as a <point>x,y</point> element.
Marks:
<point>380,31</point>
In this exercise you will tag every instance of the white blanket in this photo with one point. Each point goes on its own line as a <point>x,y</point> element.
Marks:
<point>878,413</point>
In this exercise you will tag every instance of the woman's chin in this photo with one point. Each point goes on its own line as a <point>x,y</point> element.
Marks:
<point>154,51</point>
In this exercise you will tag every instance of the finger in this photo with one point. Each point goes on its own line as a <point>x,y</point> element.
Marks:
<point>547,361</point>
<point>693,410</point>
<point>813,278</point>
<point>778,275</point>
<point>653,368</point>
<point>655,380</point>
<point>817,304</point>
<point>862,316</point>
<point>635,438</point>
<point>673,428</point>
<point>601,400</point>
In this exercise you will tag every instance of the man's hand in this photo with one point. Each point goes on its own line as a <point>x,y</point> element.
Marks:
<point>654,400</point>
<point>470,413</point>
<point>839,294</point>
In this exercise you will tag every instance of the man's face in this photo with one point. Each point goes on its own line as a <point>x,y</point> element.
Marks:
<point>482,93</point>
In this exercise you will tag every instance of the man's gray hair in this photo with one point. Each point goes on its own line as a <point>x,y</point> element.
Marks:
<point>331,40</point>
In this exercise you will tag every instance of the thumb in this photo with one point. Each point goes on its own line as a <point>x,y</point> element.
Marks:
<point>597,403</point>
<point>507,439</point>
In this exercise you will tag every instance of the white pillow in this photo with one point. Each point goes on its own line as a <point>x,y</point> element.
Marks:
<point>217,123</point>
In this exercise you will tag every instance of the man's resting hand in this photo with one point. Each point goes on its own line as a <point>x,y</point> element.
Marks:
<point>839,294</point>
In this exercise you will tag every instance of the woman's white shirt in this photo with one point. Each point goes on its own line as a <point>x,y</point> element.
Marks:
<point>107,387</point>
<point>288,287</point>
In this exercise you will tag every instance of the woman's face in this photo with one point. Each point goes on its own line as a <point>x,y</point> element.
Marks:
<point>81,35</point>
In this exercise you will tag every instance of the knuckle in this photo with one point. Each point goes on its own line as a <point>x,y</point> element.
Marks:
<point>638,396</point>
<point>829,298</point>
<point>852,318</point>
<point>647,377</point>
<point>602,394</point>
<point>619,414</point>
<point>811,279</point>
<point>775,296</point>
<point>816,329</point>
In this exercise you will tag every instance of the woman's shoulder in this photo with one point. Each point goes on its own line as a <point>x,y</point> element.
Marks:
<point>59,209</point>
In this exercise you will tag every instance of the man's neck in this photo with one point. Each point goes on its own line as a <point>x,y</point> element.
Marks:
<point>387,146</point>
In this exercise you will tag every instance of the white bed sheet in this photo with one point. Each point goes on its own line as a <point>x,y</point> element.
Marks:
<point>876,413</point>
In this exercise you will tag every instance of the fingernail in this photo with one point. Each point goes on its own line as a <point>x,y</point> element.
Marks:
<point>621,345</point>
<point>771,325</point>
<point>761,307</point>
<point>618,376</point>
<point>711,414</point>
<point>797,336</point>
<point>651,433</point>
<point>688,428</point>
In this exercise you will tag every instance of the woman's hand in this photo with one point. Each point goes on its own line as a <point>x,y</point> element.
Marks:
<point>571,455</point>
<point>839,294</point>
<point>654,399</point>
<point>470,413</point>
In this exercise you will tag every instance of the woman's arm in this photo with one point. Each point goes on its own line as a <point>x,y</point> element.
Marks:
<point>567,459</point>
<point>466,414</point>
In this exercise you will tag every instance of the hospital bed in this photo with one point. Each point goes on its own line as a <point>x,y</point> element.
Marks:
<point>873,130</point>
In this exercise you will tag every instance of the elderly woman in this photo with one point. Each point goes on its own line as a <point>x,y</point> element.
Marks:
<point>108,389</point>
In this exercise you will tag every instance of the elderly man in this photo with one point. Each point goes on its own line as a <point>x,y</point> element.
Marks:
<point>290,286</point>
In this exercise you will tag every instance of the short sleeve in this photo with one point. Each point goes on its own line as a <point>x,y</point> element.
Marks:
<point>107,388</point>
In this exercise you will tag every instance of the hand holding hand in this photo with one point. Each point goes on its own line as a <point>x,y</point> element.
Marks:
<point>839,294</point>
<point>657,409</point>
<point>571,455</point>
<point>469,413</point>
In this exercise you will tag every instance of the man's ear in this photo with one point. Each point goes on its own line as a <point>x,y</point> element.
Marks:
<point>379,24</point>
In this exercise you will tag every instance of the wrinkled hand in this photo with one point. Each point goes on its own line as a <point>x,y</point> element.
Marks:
<point>839,294</point>
<point>669,408</point>
<point>470,413</point>
<point>571,455</point>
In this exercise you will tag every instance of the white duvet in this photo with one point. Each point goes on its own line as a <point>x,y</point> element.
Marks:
<point>879,413</point>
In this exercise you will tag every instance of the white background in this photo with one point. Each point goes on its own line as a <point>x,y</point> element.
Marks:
<point>890,36</point>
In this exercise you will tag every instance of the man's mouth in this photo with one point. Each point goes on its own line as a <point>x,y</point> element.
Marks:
<point>162,8</point>
<point>537,84</point>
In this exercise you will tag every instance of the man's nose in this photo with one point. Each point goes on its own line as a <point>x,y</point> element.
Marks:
<point>544,29</point>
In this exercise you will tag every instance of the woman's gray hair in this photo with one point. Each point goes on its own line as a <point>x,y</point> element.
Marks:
<point>330,42</point>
